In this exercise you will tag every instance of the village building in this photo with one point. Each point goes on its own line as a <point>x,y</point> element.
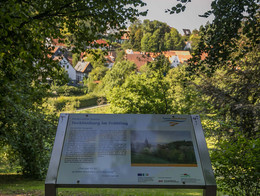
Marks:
<point>139,59</point>
<point>64,63</point>
<point>82,70</point>
<point>177,57</point>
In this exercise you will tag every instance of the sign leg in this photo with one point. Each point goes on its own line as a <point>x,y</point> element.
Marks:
<point>50,190</point>
<point>210,191</point>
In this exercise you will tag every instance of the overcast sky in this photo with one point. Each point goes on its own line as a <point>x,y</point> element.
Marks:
<point>184,20</point>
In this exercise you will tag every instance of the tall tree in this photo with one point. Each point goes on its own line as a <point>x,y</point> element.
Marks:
<point>136,34</point>
<point>145,42</point>
<point>118,74</point>
<point>229,75</point>
<point>140,93</point>
<point>26,32</point>
<point>149,35</point>
<point>173,40</point>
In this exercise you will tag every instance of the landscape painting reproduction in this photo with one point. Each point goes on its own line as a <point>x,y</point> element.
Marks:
<point>162,149</point>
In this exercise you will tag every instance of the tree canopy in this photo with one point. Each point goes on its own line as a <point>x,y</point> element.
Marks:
<point>26,32</point>
<point>154,36</point>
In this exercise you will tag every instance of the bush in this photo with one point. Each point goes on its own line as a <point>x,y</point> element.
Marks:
<point>71,103</point>
<point>236,165</point>
<point>68,90</point>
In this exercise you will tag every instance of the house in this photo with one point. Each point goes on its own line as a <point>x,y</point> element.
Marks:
<point>183,55</point>
<point>58,43</point>
<point>99,44</point>
<point>139,59</point>
<point>56,52</point>
<point>186,32</point>
<point>124,36</point>
<point>174,60</point>
<point>188,46</point>
<point>82,70</point>
<point>177,57</point>
<point>65,60</point>
<point>110,60</point>
<point>130,51</point>
<point>64,63</point>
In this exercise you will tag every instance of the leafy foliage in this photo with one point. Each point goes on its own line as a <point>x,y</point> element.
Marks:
<point>154,36</point>
<point>118,74</point>
<point>71,103</point>
<point>173,40</point>
<point>223,40</point>
<point>66,90</point>
<point>237,165</point>
<point>75,59</point>
<point>26,31</point>
<point>229,80</point>
<point>141,94</point>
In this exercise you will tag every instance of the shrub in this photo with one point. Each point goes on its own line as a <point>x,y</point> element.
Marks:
<point>236,164</point>
<point>68,90</point>
<point>71,103</point>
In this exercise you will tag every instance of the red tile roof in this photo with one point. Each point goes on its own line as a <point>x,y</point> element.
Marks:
<point>183,55</point>
<point>56,43</point>
<point>138,59</point>
<point>100,41</point>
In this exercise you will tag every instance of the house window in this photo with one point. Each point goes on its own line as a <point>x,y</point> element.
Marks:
<point>67,66</point>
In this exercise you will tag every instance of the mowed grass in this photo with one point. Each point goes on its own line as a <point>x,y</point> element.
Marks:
<point>18,185</point>
<point>96,110</point>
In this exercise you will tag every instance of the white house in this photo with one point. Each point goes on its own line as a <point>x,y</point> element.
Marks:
<point>174,60</point>
<point>64,63</point>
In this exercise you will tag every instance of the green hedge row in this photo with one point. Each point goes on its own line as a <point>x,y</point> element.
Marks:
<point>66,90</point>
<point>63,103</point>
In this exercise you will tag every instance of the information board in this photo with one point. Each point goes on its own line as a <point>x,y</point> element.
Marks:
<point>131,150</point>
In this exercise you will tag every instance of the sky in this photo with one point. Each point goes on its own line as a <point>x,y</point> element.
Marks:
<point>188,19</point>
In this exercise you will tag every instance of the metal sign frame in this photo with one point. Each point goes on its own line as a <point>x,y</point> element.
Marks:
<point>51,186</point>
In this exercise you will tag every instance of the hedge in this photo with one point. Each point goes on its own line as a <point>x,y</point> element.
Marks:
<point>63,103</point>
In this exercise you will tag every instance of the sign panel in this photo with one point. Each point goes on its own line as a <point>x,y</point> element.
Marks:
<point>130,149</point>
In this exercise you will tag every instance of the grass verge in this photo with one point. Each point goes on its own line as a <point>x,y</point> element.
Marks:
<point>11,185</point>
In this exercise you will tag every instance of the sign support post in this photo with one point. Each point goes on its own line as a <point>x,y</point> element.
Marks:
<point>50,190</point>
<point>51,179</point>
<point>210,191</point>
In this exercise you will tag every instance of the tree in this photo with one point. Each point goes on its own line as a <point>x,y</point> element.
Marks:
<point>173,40</point>
<point>183,96</point>
<point>26,31</point>
<point>229,78</point>
<point>145,42</point>
<point>195,39</point>
<point>75,59</point>
<point>98,73</point>
<point>219,39</point>
<point>139,94</point>
<point>118,74</point>
<point>136,35</point>
<point>96,57</point>
<point>160,64</point>
<point>148,36</point>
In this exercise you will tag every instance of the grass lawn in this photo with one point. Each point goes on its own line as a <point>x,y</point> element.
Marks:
<point>17,185</point>
<point>99,110</point>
